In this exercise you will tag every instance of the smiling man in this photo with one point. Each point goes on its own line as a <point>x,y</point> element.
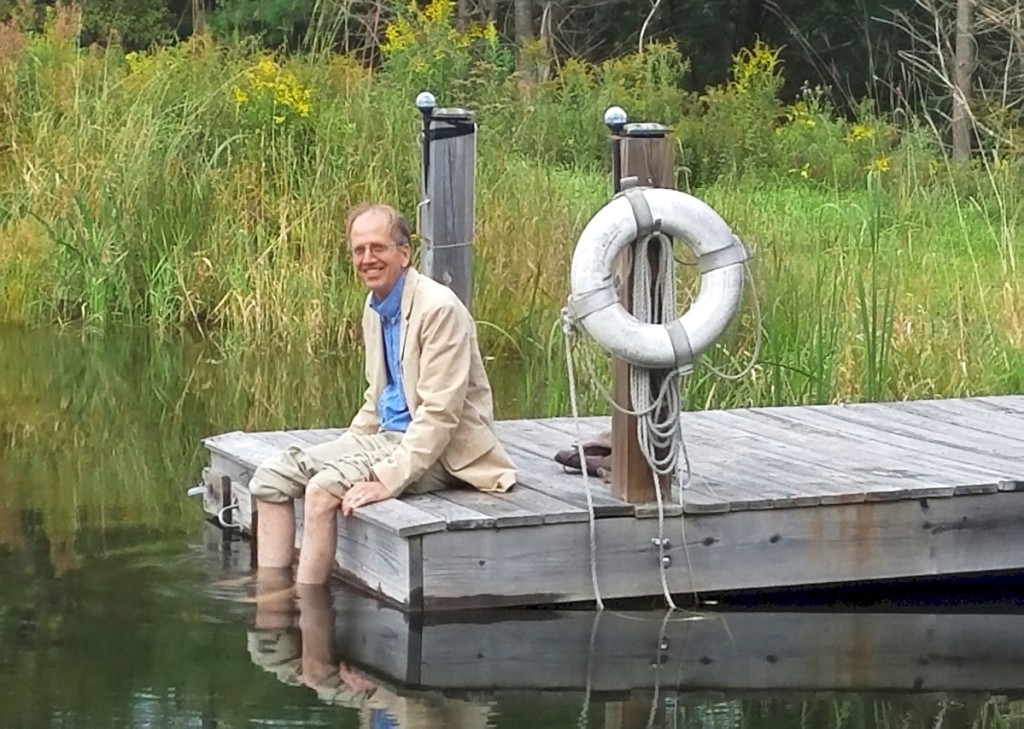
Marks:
<point>426,420</point>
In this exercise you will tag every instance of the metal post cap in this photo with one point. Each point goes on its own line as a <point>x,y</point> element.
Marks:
<point>615,118</point>
<point>425,101</point>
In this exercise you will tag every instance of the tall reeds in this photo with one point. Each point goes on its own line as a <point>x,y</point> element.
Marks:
<point>203,187</point>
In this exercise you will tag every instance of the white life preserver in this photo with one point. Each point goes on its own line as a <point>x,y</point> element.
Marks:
<point>595,303</point>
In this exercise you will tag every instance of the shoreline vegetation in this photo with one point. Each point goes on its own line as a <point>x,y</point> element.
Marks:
<point>202,186</point>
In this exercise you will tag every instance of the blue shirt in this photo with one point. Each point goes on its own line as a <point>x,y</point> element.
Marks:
<point>382,719</point>
<point>392,408</point>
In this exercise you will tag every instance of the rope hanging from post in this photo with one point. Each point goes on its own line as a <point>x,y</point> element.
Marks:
<point>659,428</point>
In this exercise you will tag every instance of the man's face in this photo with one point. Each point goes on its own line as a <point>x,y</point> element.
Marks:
<point>379,261</point>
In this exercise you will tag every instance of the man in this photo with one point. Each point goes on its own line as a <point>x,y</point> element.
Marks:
<point>425,423</point>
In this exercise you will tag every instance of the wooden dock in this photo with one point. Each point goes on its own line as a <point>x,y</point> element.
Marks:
<point>779,497</point>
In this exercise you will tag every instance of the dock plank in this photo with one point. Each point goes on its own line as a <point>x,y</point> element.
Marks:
<point>925,446</point>
<point>978,415</point>
<point>456,516</point>
<point>551,509</point>
<point>837,481</point>
<point>939,431</point>
<point>866,451</point>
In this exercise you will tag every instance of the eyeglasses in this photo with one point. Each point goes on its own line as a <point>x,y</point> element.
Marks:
<point>375,249</point>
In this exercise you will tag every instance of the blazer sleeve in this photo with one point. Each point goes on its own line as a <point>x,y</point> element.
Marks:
<point>445,361</point>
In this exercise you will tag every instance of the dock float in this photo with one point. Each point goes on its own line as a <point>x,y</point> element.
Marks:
<point>778,497</point>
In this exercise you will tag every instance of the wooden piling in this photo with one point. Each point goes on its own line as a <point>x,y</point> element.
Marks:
<point>648,155</point>
<point>447,216</point>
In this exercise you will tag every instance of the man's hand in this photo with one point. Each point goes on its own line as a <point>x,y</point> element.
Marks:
<point>355,681</point>
<point>362,493</point>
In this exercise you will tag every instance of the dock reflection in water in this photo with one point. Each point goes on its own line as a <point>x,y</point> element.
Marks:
<point>634,668</point>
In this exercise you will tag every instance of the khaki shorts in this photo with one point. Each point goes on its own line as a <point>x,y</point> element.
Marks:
<point>334,466</point>
<point>277,652</point>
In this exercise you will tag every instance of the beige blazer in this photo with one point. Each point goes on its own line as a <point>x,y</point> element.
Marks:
<point>446,389</point>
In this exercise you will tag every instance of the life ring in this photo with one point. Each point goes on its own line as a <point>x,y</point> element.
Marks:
<point>628,217</point>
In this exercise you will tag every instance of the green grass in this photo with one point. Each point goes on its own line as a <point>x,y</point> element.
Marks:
<point>145,191</point>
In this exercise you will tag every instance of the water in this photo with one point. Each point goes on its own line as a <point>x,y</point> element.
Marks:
<point>120,607</point>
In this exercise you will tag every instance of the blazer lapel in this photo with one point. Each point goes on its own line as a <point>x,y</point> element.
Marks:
<point>408,293</point>
<point>375,364</point>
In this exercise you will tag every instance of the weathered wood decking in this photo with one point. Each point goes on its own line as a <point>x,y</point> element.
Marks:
<point>779,497</point>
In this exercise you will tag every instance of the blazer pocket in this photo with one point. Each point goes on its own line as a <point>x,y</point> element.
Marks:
<point>464,449</point>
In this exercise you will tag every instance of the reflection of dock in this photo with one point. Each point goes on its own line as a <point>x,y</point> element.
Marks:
<point>779,497</point>
<point>615,653</point>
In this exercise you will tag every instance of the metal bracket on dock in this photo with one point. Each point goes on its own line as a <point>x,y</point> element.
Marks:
<point>226,524</point>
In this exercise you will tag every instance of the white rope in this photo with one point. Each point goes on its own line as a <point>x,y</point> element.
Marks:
<point>659,429</point>
<point>567,332</point>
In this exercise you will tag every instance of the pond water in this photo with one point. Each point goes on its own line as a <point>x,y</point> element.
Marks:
<point>120,606</point>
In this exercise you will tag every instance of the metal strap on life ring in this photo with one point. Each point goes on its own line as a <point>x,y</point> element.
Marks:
<point>645,223</point>
<point>736,253</point>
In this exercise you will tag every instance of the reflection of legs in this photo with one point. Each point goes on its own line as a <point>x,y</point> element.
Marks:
<point>316,621</point>
<point>351,462</point>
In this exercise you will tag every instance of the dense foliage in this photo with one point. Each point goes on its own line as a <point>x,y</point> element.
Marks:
<point>201,184</point>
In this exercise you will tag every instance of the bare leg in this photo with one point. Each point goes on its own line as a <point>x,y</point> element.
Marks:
<point>275,534</point>
<point>319,536</point>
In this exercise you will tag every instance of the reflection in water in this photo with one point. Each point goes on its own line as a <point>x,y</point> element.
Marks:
<point>118,608</point>
<point>293,638</point>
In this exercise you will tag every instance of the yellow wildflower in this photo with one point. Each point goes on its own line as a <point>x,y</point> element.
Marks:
<point>759,62</point>
<point>239,96</point>
<point>880,164</point>
<point>438,12</point>
<point>490,32</point>
<point>398,35</point>
<point>860,131</point>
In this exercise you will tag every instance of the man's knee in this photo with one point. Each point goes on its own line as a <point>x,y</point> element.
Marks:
<point>268,485</point>
<point>320,500</point>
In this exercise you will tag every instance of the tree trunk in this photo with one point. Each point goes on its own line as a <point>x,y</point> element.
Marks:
<point>524,34</point>
<point>963,68</point>
<point>524,21</point>
<point>198,17</point>
<point>462,15</point>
